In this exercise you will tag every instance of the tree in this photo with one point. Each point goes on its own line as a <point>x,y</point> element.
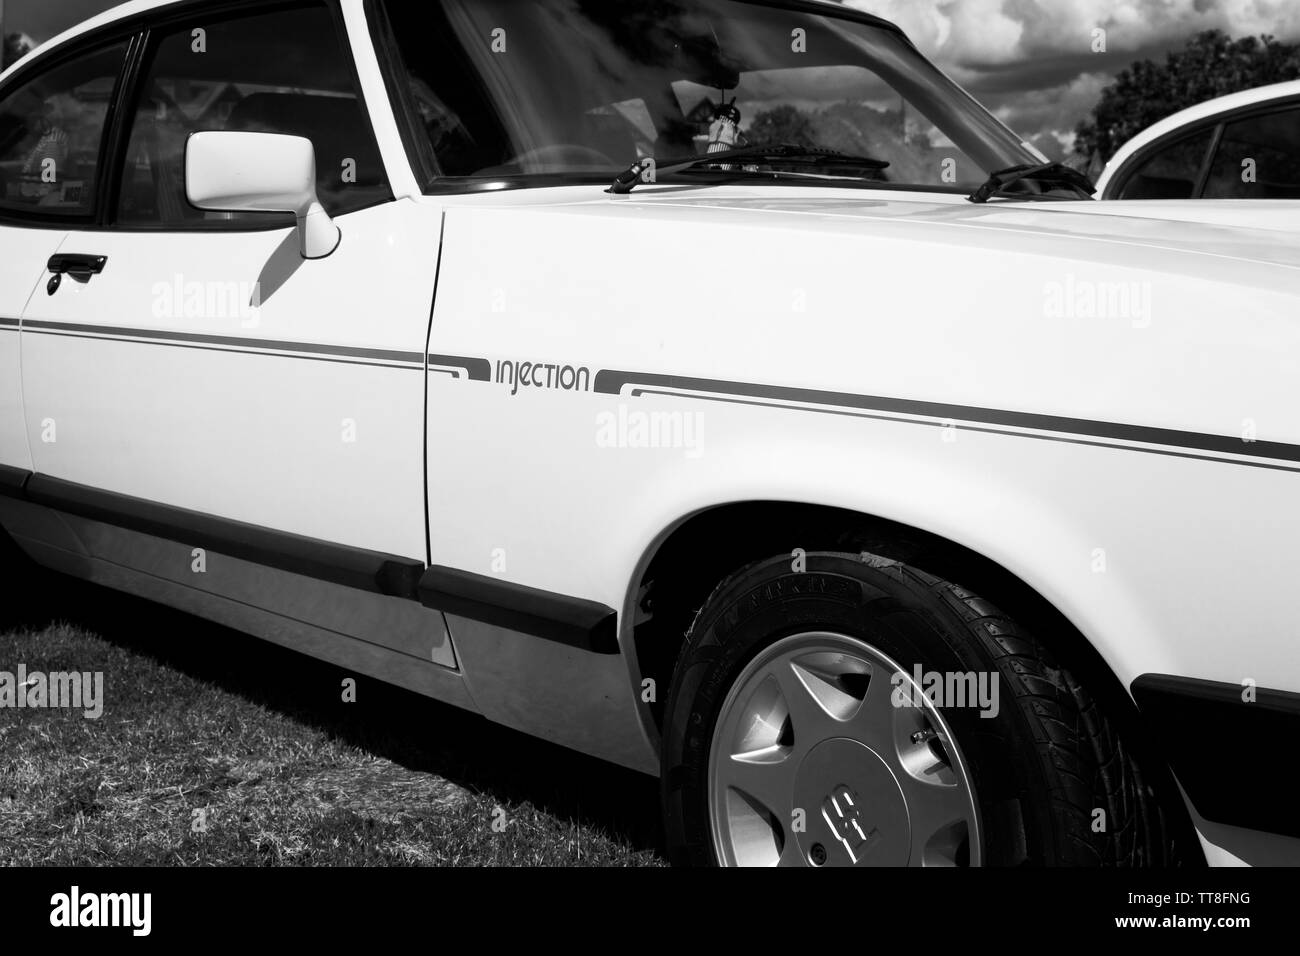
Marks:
<point>1211,65</point>
<point>782,124</point>
<point>15,46</point>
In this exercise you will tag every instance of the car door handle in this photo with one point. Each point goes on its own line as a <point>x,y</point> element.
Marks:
<point>76,265</point>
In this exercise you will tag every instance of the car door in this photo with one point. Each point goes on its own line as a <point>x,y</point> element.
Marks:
<point>192,369</point>
<point>53,115</point>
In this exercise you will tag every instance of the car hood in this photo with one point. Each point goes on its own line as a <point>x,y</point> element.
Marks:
<point>1015,306</point>
<point>1280,215</point>
<point>1261,232</point>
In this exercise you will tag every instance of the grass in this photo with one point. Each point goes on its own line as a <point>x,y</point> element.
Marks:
<point>216,749</point>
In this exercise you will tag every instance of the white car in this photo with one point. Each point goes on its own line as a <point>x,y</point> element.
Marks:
<point>709,386</point>
<point>1244,146</point>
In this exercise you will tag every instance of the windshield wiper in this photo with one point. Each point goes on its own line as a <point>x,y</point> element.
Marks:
<point>787,152</point>
<point>1057,173</point>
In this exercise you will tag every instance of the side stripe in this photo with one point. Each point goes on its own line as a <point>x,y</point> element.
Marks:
<point>638,384</point>
<point>475,369</point>
<point>270,346</point>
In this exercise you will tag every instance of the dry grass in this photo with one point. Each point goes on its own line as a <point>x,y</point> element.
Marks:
<point>206,726</point>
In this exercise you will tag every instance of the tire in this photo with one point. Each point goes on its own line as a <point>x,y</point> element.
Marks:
<point>1043,781</point>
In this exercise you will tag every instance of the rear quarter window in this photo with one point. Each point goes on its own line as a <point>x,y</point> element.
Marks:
<point>1172,172</point>
<point>1258,158</point>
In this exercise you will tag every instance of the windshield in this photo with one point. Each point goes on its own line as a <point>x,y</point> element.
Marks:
<point>530,93</point>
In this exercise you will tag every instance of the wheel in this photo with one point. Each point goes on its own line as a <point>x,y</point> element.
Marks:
<point>839,710</point>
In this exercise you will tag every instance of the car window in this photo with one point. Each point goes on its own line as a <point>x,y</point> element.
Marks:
<point>1172,172</point>
<point>847,108</point>
<point>51,130</point>
<point>580,89</point>
<point>1258,158</point>
<point>284,71</point>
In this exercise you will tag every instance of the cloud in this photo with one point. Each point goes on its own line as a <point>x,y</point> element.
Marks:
<point>1032,61</point>
<point>989,34</point>
<point>1048,115</point>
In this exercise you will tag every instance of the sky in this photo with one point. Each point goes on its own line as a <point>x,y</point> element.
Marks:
<point>1030,61</point>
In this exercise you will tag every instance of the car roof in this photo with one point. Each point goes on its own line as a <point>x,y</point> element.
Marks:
<point>1193,115</point>
<point>113,14</point>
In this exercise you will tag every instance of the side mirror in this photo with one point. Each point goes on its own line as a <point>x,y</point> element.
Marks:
<point>260,172</point>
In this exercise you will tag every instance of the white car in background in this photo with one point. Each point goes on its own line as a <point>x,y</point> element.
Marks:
<point>1242,146</point>
<point>862,478</point>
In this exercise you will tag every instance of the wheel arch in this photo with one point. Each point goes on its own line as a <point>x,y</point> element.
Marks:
<point>680,569</point>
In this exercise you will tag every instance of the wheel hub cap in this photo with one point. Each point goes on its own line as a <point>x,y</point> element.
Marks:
<point>814,763</point>
<point>855,808</point>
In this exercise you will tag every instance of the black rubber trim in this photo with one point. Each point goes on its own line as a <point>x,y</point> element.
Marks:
<point>572,621</point>
<point>13,481</point>
<point>613,382</point>
<point>339,564</point>
<point>1229,755</point>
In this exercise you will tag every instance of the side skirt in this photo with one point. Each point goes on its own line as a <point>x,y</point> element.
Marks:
<point>542,663</point>
<point>368,658</point>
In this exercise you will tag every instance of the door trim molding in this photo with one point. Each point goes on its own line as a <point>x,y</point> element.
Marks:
<point>576,622</point>
<point>560,618</point>
<point>13,481</point>
<point>339,564</point>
